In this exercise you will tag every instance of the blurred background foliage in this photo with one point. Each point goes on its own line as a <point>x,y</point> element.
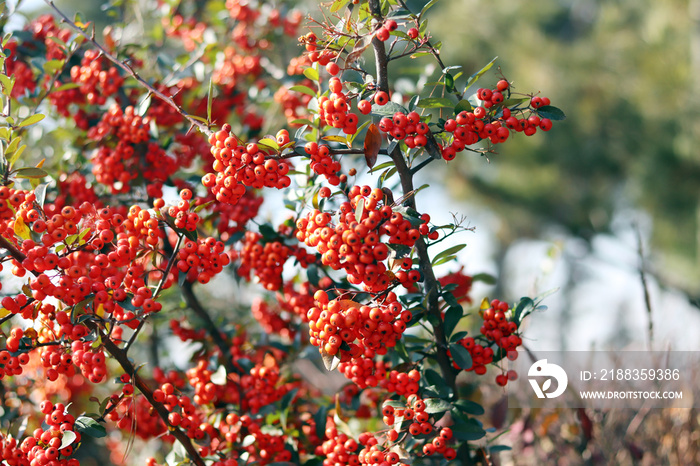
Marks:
<point>625,72</point>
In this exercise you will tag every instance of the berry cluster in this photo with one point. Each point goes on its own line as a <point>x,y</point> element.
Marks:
<point>323,57</point>
<point>493,121</point>
<point>266,259</point>
<point>343,322</point>
<point>294,104</point>
<point>202,259</point>
<point>44,446</point>
<point>338,448</point>
<point>414,415</point>
<point>356,244</point>
<point>384,31</point>
<point>322,162</point>
<point>270,319</point>
<point>116,165</point>
<point>238,166</point>
<point>498,329</point>
<point>96,82</point>
<point>334,109</point>
<point>183,217</point>
<point>408,128</point>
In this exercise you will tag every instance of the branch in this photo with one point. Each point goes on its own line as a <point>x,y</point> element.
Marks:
<point>429,279</point>
<point>120,356</point>
<point>645,287</point>
<point>406,177</point>
<point>213,331</point>
<point>130,70</point>
<point>159,288</point>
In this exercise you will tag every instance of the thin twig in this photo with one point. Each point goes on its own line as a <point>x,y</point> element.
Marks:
<point>130,70</point>
<point>164,278</point>
<point>121,357</point>
<point>645,287</point>
<point>213,331</point>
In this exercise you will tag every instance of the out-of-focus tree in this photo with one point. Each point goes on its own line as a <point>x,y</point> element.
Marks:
<point>626,70</point>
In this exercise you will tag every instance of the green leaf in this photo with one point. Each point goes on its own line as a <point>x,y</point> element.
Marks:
<point>303,89</point>
<point>269,142</point>
<point>448,252</point>
<point>320,419</point>
<point>485,278</point>
<point>65,87</point>
<point>427,6</point>
<point>210,97</point>
<point>475,77</point>
<point>311,73</point>
<point>435,102</point>
<point>40,193</point>
<point>52,66</point>
<point>30,172</point>
<point>413,102</point>
<point>470,407</point>
<point>551,112</point>
<point>436,405</point>
<point>461,356</point>
<point>16,155</point>
<point>396,404</point>
<point>7,85</point>
<point>420,54</point>
<point>31,120</point>
<point>452,318</point>
<point>463,106</point>
<point>337,5</point>
<point>470,430</point>
<point>388,109</point>
<point>449,82</point>
<point>88,426</point>
<point>335,138</point>
<point>520,308</point>
<point>68,438</point>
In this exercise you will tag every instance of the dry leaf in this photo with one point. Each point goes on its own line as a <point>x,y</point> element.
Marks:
<point>373,142</point>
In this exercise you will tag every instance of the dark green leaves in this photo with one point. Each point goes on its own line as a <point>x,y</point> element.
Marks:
<point>551,112</point>
<point>461,356</point>
<point>452,318</point>
<point>448,254</point>
<point>88,426</point>
<point>436,405</point>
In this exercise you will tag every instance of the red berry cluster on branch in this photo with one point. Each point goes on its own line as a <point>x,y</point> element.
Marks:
<point>322,162</point>
<point>493,120</point>
<point>97,80</point>
<point>238,166</point>
<point>355,243</point>
<point>361,332</point>
<point>408,128</point>
<point>334,110</point>
<point>203,259</point>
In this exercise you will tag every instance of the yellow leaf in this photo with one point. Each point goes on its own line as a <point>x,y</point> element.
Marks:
<point>485,304</point>
<point>21,228</point>
<point>4,313</point>
<point>41,163</point>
